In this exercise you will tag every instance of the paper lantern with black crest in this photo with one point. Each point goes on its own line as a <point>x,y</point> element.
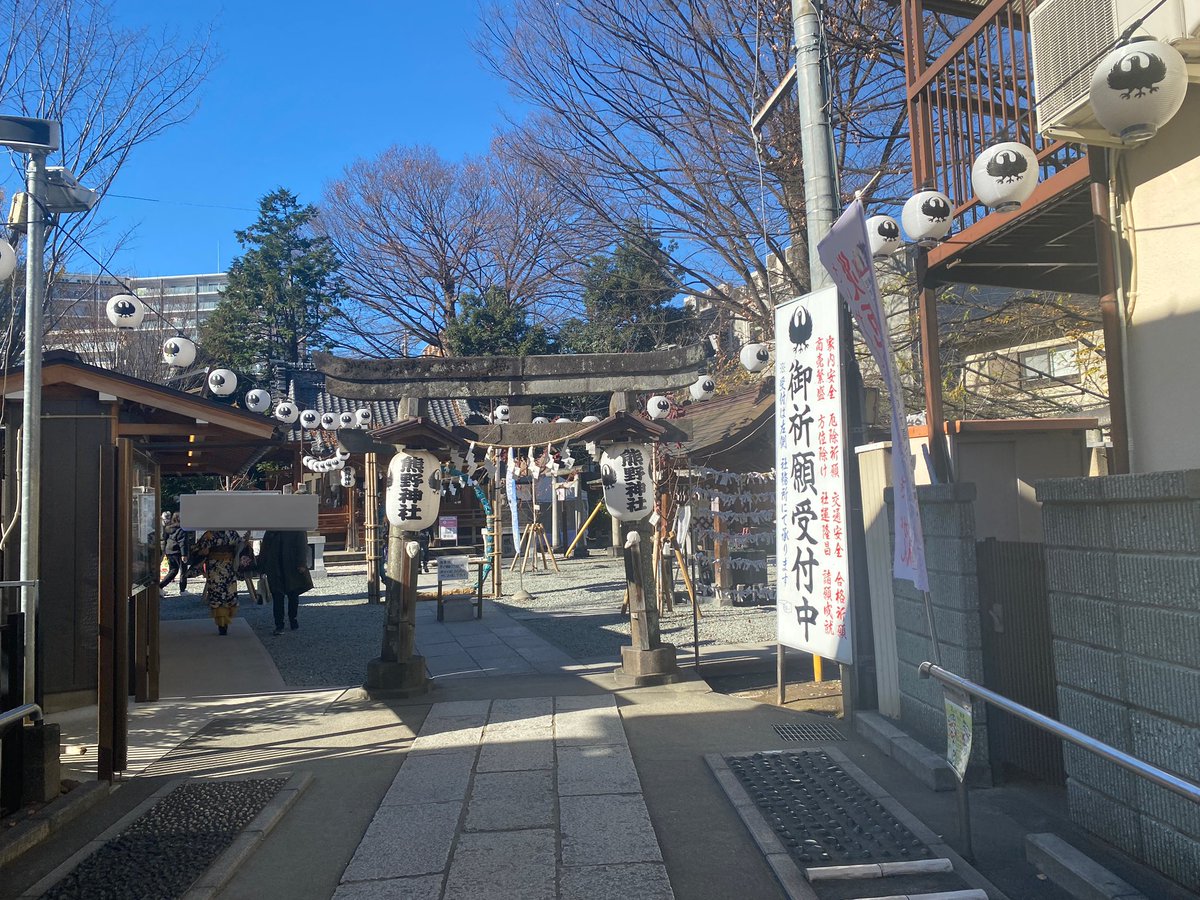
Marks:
<point>926,217</point>
<point>222,382</point>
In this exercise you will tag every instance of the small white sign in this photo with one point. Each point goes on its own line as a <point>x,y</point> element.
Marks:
<point>448,528</point>
<point>454,568</point>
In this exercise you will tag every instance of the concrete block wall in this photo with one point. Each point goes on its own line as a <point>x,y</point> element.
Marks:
<point>948,520</point>
<point>1123,572</point>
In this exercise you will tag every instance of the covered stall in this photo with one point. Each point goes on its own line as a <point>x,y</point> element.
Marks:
<point>107,439</point>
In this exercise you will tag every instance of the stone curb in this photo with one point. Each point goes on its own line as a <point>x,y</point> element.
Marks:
<point>962,868</point>
<point>1075,872</point>
<point>791,879</point>
<point>277,806</point>
<point>54,815</point>
<point>223,868</point>
<point>933,771</point>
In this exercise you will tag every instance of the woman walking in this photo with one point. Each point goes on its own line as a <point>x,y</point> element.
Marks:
<point>219,550</point>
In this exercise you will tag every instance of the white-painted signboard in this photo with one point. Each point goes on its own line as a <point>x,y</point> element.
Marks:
<point>812,569</point>
<point>453,568</point>
<point>846,255</point>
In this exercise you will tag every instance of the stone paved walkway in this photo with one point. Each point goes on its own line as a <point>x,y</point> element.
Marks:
<point>493,645</point>
<point>534,798</point>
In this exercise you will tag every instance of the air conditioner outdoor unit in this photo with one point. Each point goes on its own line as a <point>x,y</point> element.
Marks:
<point>1068,36</point>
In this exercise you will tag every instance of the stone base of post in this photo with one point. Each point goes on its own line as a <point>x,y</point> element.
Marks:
<point>644,668</point>
<point>386,678</point>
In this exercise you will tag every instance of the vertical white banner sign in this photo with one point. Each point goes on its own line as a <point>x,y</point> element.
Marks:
<point>812,567</point>
<point>846,255</point>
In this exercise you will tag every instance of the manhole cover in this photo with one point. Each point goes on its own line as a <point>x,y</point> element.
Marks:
<point>820,813</point>
<point>809,732</point>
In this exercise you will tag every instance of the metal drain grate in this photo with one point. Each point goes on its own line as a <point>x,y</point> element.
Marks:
<point>810,732</point>
<point>820,813</point>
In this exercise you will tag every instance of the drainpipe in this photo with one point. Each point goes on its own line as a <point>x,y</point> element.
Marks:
<point>1110,311</point>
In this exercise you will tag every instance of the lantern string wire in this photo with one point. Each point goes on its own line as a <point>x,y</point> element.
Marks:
<point>120,282</point>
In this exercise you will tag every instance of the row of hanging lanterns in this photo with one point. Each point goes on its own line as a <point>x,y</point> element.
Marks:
<point>1136,89</point>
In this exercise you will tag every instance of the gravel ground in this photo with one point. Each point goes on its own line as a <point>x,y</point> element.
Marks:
<point>577,610</point>
<point>161,854</point>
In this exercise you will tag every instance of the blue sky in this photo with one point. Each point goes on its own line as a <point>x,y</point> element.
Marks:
<point>301,89</point>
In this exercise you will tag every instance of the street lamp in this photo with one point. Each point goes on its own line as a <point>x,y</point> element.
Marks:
<point>37,138</point>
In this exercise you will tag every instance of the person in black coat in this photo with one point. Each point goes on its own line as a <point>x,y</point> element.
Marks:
<point>283,560</point>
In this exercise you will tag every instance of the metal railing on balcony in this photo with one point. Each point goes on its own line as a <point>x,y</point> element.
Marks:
<point>978,91</point>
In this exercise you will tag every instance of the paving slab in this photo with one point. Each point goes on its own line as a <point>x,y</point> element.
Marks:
<point>582,727</point>
<point>645,881</point>
<point>608,829</point>
<point>516,755</point>
<point>606,769</point>
<point>517,712</point>
<point>504,865</point>
<point>426,887</point>
<point>414,839</point>
<point>503,801</point>
<point>425,777</point>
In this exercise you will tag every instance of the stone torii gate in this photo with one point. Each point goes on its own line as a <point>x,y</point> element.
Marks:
<point>417,380</point>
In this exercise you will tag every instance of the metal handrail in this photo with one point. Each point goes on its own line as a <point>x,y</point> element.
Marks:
<point>1132,764</point>
<point>19,714</point>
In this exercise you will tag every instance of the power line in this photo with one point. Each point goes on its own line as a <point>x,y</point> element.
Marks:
<point>181,202</point>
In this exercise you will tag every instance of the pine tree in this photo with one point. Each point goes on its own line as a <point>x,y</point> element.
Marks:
<point>492,325</point>
<point>626,299</point>
<point>282,291</point>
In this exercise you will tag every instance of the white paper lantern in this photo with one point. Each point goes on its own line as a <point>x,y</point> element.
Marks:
<point>222,382</point>
<point>588,420</point>
<point>883,234</point>
<point>307,461</point>
<point>413,493</point>
<point>342,453</point>
<point>702,388</point>
<point>754,357</point>
<point>337,464</point>
<point>502,413</point>
<point>625,476</point>
<point>329,421</point>
<point>125,311</point>
<point>346,420</point>
<point>8,260</point>
<point>179,351</point>
<point>541,420</point>
<point>258,400</point>
<point>1005,175</point>
<point>347,478</point>
<point>562,420</point>
<point>927,217</point>
<point>658,407</point>
<point>362,416</point>
<point>310,419</point>
<point>286,412</point>
<point>1138,88</point>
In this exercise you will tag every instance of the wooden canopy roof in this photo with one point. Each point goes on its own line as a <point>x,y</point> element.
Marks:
<point>185,433</point>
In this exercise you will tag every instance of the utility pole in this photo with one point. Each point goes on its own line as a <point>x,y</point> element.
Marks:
<point>821,209</point>
<point>31,412</point>
<point>816,138</point>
